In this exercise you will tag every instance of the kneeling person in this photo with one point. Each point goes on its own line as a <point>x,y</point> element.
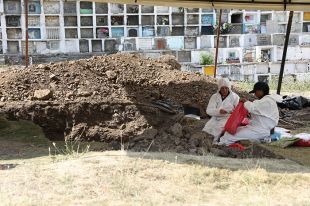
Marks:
<point>221,104</point>
<point>264,116</point>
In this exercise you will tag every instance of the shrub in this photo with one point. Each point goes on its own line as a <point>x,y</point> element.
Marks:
<point>206,59</point>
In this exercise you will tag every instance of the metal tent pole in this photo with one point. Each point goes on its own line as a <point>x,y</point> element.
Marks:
<point>217,42</point>
<point>287,37</point>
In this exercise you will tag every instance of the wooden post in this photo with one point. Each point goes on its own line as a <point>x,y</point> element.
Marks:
<point>217,42</point>
<point>287,37</point>
<point>27,36</point>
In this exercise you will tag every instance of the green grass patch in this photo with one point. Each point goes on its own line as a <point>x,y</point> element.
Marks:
<point>288,85</point>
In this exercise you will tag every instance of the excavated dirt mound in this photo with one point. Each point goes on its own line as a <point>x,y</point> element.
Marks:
<point>117,98</point>
<point>117,77</point>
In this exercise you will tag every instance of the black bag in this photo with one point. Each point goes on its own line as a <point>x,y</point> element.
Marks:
<point>295,103</point>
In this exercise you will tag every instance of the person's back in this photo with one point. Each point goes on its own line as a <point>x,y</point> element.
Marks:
<point>264,113</point>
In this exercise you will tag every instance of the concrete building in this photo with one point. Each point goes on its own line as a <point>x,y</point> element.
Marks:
<point>251,44</point>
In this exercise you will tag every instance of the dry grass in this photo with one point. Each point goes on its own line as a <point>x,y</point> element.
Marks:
<point>120,178</point>
<point>125,178</point>
<point>289,87</point>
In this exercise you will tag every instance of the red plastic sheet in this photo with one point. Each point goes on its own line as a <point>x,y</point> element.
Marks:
<point>238,146</point>
<point>236,118</point>
<point>302,143</point>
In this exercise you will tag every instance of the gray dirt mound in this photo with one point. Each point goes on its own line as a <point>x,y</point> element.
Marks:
<point>121,97</point>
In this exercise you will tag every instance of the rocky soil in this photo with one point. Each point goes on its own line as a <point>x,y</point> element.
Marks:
<point>120,99</point>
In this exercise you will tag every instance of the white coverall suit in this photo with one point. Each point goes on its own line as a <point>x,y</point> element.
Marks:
<point>264,117</point>
<point>215,125</point>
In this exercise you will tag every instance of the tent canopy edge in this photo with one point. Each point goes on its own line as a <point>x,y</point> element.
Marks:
<point>298,5</point>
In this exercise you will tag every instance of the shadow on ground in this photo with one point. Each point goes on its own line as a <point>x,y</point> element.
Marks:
<point>25,140</point>
<point>21,140</point>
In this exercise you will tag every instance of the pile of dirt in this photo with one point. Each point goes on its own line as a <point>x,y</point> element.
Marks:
<point>122,77</point>
<point>120,98</point>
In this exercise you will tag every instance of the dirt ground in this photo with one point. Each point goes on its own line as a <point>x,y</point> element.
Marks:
<point>121,178</point>
<point>116,99</point>
<point>35,172</point>
<point>120,100</point>
<point>23,140</point>
<point>32,172</point>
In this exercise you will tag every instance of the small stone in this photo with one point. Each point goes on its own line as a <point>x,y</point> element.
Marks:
<point>41,66</point>
<point>187,135</point>
<point>192,151</point>
<point>115,145</point>
<point>197,138</point>
<point>53,77</point>
<point>176,130</point>
<point>154,148</point>
<point>164,136</point>
<point>111,74</point>
<point>180,149</point>
<point>194,142</point>
<point>177,141</point>
<point>147,134</point>
<point>123,126</point>
<point>201,151</point>
<point>69,94</point>
<point>43,94</point>
<point>82,93</point>
<point>218,152</point>
<point>53,86</point>
<point>131,145</point>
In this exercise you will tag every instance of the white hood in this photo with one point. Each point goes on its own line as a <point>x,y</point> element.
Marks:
<point>223,82</point>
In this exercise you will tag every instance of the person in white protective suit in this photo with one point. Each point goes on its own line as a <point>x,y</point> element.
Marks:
<point>264,116</point>
<point>221,104</point>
